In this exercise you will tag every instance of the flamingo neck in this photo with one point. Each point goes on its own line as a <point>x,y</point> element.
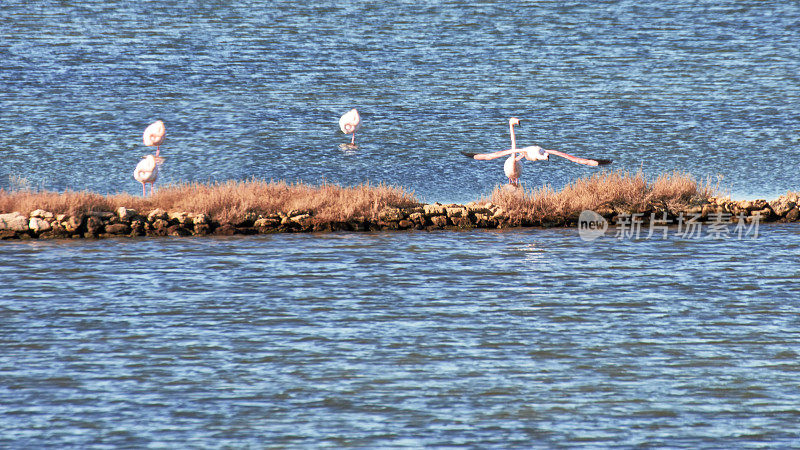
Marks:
<point>513,139</point>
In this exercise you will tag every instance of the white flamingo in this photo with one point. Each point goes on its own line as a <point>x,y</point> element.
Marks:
<point>350,122</point>
<point>513,165</point>
<point>147,172</point>
<point>154,135</point>
<point>536,153</point>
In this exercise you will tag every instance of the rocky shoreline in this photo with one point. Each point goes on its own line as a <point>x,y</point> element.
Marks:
<point>41,224</point>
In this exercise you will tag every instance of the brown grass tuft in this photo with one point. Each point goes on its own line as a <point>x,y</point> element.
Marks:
<point>226,202</point>
<point>610,190</point>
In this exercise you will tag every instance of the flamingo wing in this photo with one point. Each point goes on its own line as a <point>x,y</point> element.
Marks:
<point>488,156</point>
<point>576,159</point>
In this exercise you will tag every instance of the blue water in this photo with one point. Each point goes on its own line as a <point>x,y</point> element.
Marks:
<point>525,338</point>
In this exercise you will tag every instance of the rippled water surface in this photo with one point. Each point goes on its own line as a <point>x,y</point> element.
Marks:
<point>526,338</point>
<point>486,337</point>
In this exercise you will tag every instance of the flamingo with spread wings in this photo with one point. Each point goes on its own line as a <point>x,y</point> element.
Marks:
<point>536,153</point>
<point>513,165</point>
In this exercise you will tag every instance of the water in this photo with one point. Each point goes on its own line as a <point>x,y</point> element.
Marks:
<point>528,338</point>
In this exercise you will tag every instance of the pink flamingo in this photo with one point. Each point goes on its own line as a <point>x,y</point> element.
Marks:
<point>513,165</point>
<point>350,122</point>
<point>147,172</point>
<point>154,135</point>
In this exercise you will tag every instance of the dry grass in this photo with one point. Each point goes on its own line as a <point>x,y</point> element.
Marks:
<point>226,202</point>
<point>603,191</point>
<point>233,201</point>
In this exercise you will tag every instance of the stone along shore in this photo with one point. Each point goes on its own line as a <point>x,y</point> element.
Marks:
<point>41,224</point>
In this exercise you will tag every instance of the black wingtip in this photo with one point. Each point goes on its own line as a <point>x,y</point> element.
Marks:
<point>469,155</point>
<point>603,162</point>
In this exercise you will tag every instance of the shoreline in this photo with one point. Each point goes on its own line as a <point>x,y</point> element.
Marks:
<point>126,222</point>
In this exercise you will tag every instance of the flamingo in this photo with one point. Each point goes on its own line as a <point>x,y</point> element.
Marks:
<point>147,172</point>
<point>154,135</point>
<point>536,153</point>
<point>350,122</point>
<point>513,165</point>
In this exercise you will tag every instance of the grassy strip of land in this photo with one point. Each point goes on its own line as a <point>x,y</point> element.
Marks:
<point>604,192</point>
<point>230,201</point>
<point>254,206</point>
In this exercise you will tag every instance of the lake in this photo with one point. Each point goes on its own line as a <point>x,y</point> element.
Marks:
<point>486,338</point>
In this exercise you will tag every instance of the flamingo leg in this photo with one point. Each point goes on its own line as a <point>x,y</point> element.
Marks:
<point>144,191</point>
<point>353,141</point>
<point>158,150</point>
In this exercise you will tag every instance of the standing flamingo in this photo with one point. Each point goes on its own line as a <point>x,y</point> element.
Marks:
<point>350,122</point>
<point>154,135</point>
<point>513,165</point>
<point>147,172</point>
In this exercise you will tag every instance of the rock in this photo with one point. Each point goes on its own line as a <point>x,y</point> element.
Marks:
<point>7,234</point>
<point>753,205</point>
<point>74,223</point>
<point>94,225</point>
<point>13,222</point>
<point>390,215</point>
<point>200,219</point>
<point>38,225</point>
<point>247,220</point>
<point>157,214</point>
<point>180,217</point>
<point>102,215</point>
<point>405,224</point>
<point>793,215</point>
<point>439,221</point>
<point>299,212</point>
<point>225,229</point>
<point>474,208</point>
<point>456,211</point>
<point>178,230</point>
<point>498,213</point>
<point>462,222</point>
<point>118,229</point>
<point>388,225</point>
<point>42,214</point>
<point>782,206</point>
<point>125,214</point>
<point>54,233</point>
<point>138,227</point>
<point>765,213</point>
<point>304,220</point>
<point>160,227</point>
<point>417,217</point>
<point>357,225</point>
<point>267,222</point>
<point>435,209</point>
<point>61,217</point>
<point>201,229</point>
